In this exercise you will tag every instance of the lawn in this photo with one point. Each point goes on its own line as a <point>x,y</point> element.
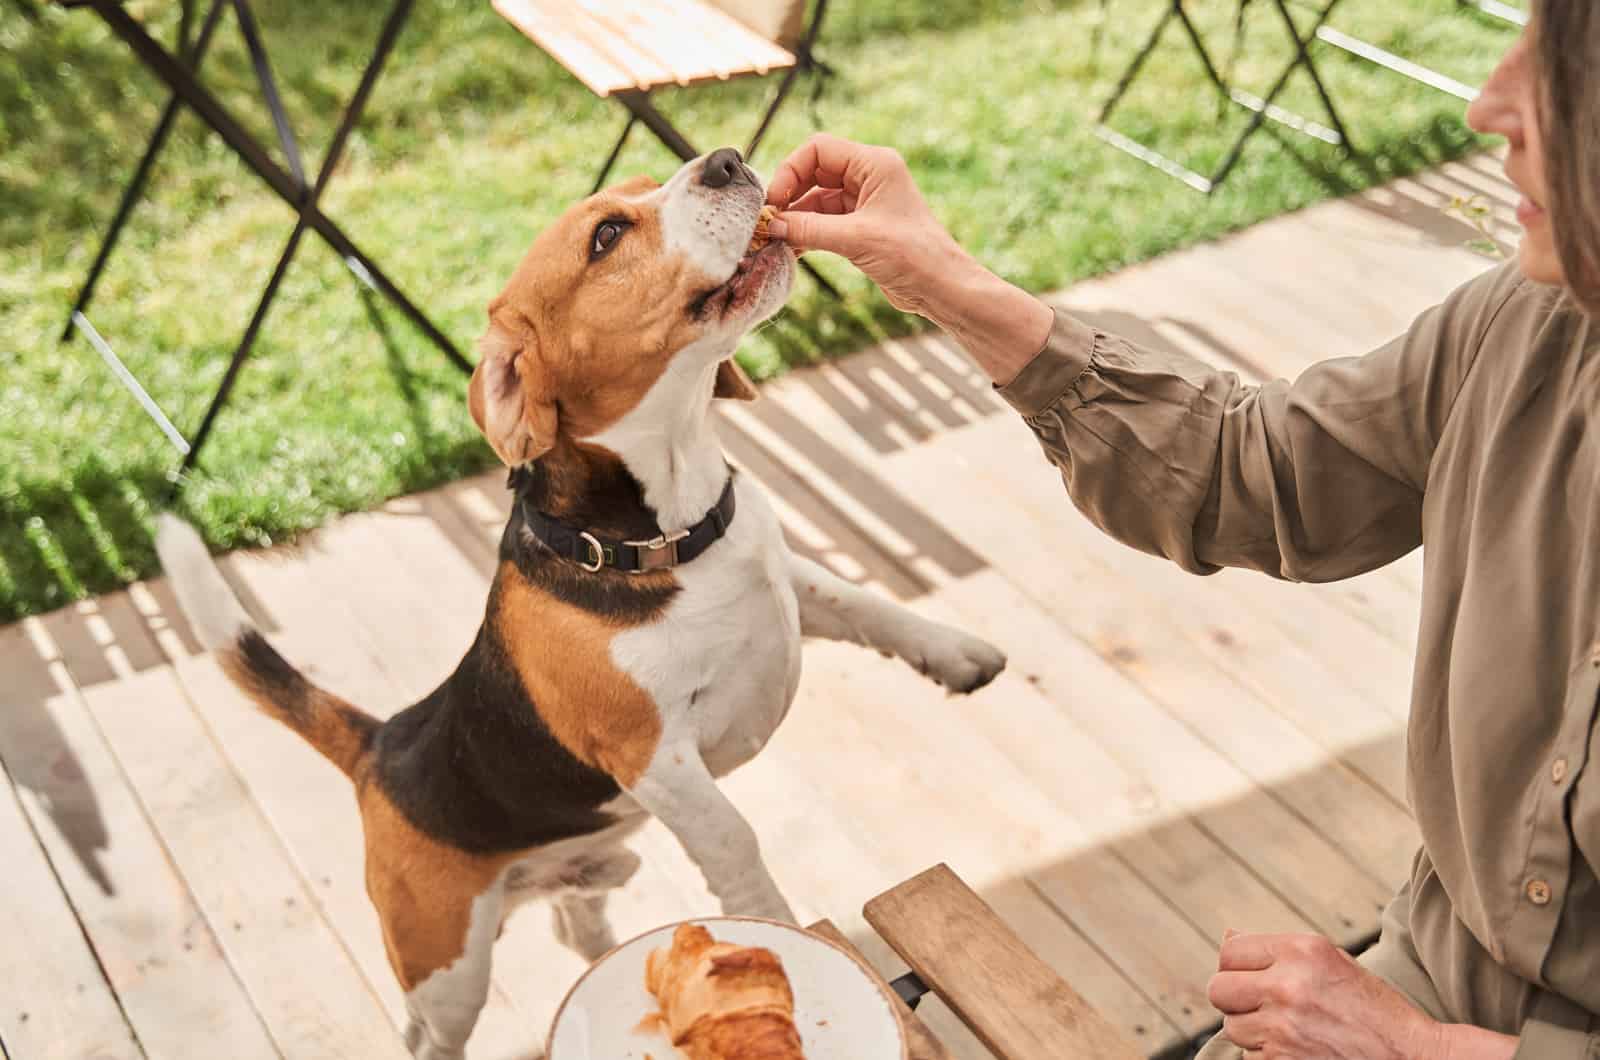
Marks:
<point>473,141</point>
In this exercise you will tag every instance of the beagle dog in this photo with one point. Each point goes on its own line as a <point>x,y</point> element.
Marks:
<point>643,629</point>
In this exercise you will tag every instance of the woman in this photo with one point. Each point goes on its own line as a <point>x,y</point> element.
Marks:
<point>1472,432</point>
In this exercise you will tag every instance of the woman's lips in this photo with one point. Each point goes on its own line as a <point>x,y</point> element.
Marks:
<point>1529,212</point>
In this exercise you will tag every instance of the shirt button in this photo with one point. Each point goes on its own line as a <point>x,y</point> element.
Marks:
<point>1558,770</point>
<point>1594,653</point>
<point>1538,892</point>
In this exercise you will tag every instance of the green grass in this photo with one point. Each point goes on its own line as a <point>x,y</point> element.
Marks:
<point>472,142</point>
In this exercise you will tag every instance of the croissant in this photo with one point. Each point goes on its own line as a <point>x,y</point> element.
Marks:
<point>720,1001</point>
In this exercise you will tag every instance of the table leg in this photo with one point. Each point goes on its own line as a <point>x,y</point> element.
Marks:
<point>141,173</point>
<point>198,98</point>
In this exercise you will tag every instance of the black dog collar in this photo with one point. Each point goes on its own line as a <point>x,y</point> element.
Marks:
<point>593,552</point>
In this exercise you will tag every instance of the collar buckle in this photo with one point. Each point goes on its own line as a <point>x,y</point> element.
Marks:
<point>659,552</point>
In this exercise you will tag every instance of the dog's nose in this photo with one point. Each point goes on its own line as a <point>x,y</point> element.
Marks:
<point>723,166</point>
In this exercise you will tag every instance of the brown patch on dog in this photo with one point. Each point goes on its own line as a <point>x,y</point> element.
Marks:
<point>563,656</point>
<point>559,357</point>
<point>422,889</point>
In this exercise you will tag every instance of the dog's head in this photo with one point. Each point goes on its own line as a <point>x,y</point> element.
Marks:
<point>620,287</point>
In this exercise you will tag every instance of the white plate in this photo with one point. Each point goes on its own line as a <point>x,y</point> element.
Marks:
<point>841,1011</point>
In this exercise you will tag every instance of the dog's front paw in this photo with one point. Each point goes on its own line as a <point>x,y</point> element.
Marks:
<point>959,661</point>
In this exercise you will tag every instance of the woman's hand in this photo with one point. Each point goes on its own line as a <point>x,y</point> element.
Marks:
<point>861,202</point>
<point>1300,997</point>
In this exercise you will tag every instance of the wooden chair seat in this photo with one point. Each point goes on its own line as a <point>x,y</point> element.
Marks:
<point>637,45</point>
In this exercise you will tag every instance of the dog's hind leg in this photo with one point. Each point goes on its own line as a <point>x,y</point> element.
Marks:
<point>581,925</point>
<point>579,909</point>
<point>440,910</point>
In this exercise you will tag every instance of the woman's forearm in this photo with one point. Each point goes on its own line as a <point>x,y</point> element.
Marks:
<point>1000,325</point>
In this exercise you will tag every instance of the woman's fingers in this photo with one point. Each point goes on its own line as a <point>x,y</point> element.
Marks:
<point>824,200</point>
<point>1235,993</point>
<point>822,161</point>
<point>1246,953</point>
<point>1244,1031</point>
<point>804,230</point>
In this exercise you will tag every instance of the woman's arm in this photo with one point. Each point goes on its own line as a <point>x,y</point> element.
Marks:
<point>861,201</point>
<point>1317,479</point>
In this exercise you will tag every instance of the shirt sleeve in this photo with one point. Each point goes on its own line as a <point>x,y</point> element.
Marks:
<point>1313,480</point>
<point>1546,1041</point>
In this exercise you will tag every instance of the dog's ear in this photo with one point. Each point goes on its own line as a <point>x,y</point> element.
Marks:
<point>733,383</point>
<point>511,396</point>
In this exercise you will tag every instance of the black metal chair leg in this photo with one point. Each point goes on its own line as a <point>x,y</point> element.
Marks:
<point>269,89</point>
<point>639,105</point>
<point>790,76</point>
<point>141,174</point>
<point>255,156</point>
<point>616,150</point>
<point>240,354</point>
<point>1126,81</point>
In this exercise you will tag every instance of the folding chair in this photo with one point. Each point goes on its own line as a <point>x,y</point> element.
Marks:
<point>625,49</point>
<point>1262,109</point>
<point>180,72</point>
<point>1266,109</point>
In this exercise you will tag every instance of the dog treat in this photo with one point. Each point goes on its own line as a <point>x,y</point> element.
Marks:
<point>760,238</point>
<point>720,1001</point>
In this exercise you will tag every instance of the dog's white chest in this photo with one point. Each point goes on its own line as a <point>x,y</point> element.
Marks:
<point>724,661</point>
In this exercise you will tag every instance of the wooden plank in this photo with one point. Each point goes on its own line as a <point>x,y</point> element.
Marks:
<point>1001,989</point>
<point>1156,625</point>
<point>1087,789</point>
<point>743,50</point>
<point>1071,953</point>
<point>54,1002</point>
<point>924,1046</point>
<point>558,36</point>
<point>153,945</point>
<point>1254,652</point>
<point>886,746</point>
<point>1212,889</point>
<point>1134,633</point>
<point>614,47</point>
<point>606,35</point>
<point>312,998</point>
<point>1076,959</point>
<point>1218,849</point>
<point>669,50</point>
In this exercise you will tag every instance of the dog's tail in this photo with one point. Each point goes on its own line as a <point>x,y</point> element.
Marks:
<point>340,731</point>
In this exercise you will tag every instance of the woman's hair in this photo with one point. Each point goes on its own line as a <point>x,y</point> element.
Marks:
<point>1568,42</point>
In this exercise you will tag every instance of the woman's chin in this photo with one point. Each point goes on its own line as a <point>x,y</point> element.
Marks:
<point>1538,260</point>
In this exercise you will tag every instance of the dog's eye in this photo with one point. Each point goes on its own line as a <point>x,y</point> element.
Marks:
<point>606,234</point>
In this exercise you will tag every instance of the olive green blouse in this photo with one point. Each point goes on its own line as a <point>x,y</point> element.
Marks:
<point>1477,433</point>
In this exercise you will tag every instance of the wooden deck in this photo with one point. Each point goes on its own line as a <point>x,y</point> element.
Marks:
<point>1166,757</point>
